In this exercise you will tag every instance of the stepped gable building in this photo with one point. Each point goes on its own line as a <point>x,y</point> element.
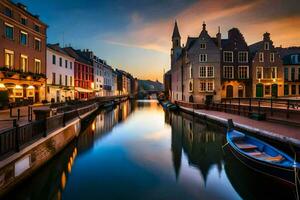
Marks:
<point>60,74</point>
<point>201,71</point>
<point>235,66</point>
<point>22,53</point>
<point>267,69</point>
<point>83,74</point>
<point>195,68</point>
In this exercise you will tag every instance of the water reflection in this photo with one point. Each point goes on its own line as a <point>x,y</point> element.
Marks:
<point>138,151</point>
<point>202,143</point>
<point>50,181</point>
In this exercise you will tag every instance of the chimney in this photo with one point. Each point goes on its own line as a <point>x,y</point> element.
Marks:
<point>219,38</point>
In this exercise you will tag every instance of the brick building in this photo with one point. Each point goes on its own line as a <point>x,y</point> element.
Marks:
<point>235,66</point>
<point>267,69</point>
<point>22,53</point>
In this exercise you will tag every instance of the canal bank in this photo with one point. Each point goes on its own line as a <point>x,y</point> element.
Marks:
<point>22,164</point>
<point>138,151</point>
<point>282,136</point>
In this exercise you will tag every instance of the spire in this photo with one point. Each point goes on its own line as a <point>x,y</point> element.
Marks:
<point>176,33</point>
<point>204,26</point>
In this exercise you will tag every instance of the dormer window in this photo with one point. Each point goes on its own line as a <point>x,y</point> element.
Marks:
<point>267,46</point>
<point>202,46</point>
<point>294,59</point>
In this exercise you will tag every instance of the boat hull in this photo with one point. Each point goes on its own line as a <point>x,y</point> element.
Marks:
<point>286,174</point>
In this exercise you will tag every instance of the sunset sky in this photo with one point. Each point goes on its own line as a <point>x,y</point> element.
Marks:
<point>135,35</point>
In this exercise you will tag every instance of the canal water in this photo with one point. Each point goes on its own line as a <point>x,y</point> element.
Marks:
<point>138,151</point>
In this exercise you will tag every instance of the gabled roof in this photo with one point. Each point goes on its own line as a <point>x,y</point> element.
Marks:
<point>287,59</point>
<point>176,33</point>
<point>77,55</point>
<point>190,41</point>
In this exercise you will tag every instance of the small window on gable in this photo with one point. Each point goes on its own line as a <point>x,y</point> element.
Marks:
<point>202,46</point>
<point>267,46</point>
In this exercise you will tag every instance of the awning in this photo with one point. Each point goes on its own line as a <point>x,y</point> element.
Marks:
<point>79,89</point>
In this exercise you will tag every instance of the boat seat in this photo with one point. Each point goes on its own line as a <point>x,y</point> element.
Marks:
<point>255,153</point>
<point>245,146</point>
<point>274,159</point>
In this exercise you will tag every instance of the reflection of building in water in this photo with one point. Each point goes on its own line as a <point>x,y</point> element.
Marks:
<point>202,144</point>
<point>176,145</point>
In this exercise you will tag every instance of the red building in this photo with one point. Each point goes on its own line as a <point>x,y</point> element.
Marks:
<point>83,74</point>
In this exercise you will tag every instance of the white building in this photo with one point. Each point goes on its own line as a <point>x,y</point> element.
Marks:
<point>60,74</point>
<point>108,80</point>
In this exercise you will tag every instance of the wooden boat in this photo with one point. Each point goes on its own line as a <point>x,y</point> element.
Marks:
<point>263,157</point>
<point>168,105</point>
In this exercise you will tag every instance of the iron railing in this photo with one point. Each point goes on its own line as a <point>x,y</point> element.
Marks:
<point>14,139</point>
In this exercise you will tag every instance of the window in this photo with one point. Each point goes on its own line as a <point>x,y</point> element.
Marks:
<point>286,89</point>
<point>53,78</point>
<point>293,89</point>
<point>294,59</point>
<point>66,80</point>
<point>37,44</point>
<point>243,56</point>
<point>66,64</point>
<point>210,71</point>
<point>24,21</point>
<point>37,28</point>
<point>24,63</point>
<point>259,73</point>
<point>228,72</point>
<point>8,12</point>
<point>60,79</point>
<point>267,46</point>
<point>60,62</point>
<point>71,81</point>
<point>228,56</point>
<point>37,66</point>
<point>202,86</point>
<point>9,31</point>
<point>243,72</point>
<point>274,72</point>
<point>191,72</point>
<point>71,65</point>
<point>23,38</point>
<point>202,46</point>
<point>203,57</point>
<point>202,71</point>
<point>292,74</point>
<point>272,57</point>
<point>191,86</point>
<point>267,89</point>
<point>9,58</point>
<point>206,86</point>
<point>286,74</point>
<point>53,59</point>
<point>210,86</point>
<point>261,57</point>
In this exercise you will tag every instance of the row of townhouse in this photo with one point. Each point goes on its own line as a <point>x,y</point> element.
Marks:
<point>31,69</point>
<point>209,68</point>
